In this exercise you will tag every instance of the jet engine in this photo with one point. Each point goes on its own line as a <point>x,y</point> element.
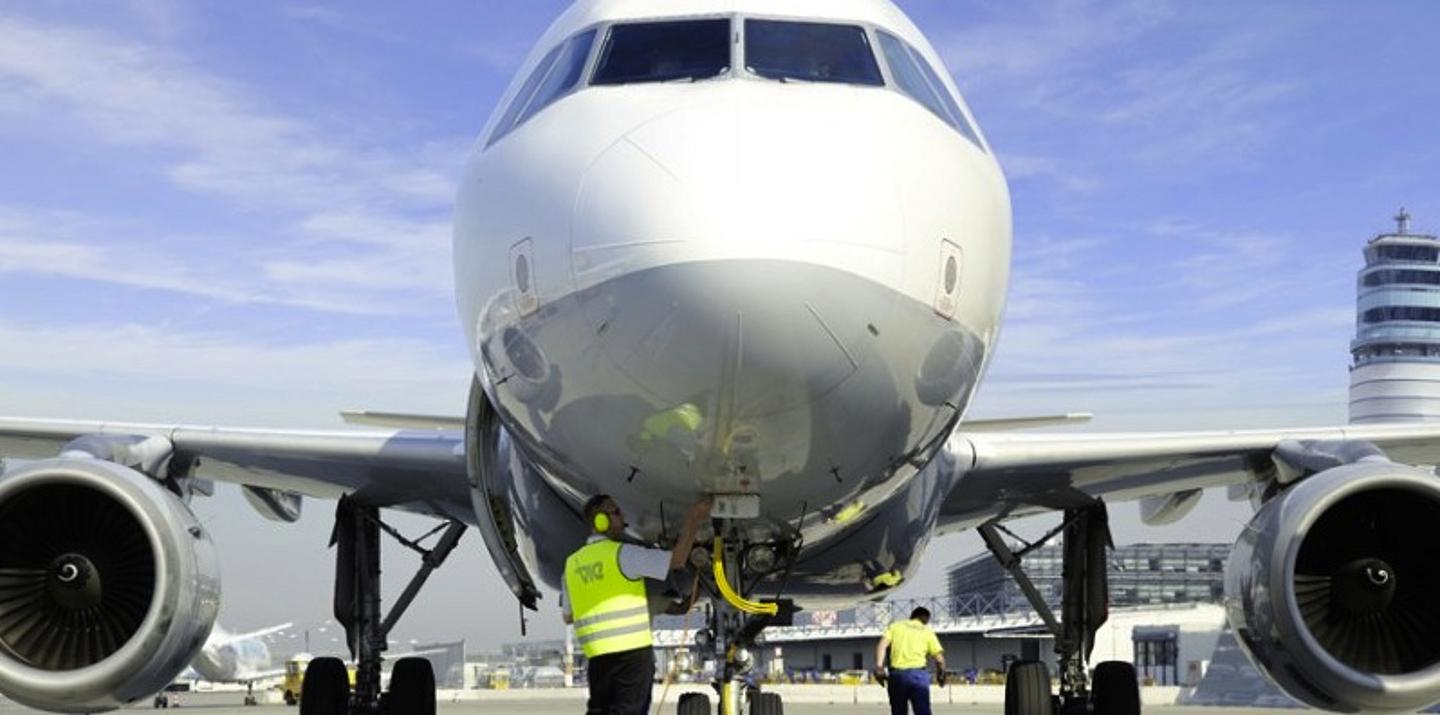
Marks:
<point>108,585</point>
<point>1333,588</point>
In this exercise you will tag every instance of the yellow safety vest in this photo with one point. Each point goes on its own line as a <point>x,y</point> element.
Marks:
<point>610,611</point>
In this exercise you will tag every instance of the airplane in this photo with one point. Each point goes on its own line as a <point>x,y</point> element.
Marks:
<point>242,658</point>
<point>755,250</point>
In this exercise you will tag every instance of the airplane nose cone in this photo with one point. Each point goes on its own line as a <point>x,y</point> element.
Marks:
<point>737,271</point>
<point>746,337</point>
<point>749,370</point>
<point>761,174</point>
<point>749,240</point>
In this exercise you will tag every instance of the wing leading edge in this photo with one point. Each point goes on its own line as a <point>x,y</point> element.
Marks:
<point>422,472</point>
<point>1012,475</point>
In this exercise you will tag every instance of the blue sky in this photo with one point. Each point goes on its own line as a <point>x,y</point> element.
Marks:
<point>239,213</point>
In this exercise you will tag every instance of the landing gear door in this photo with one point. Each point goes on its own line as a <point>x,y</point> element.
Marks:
<point>492,509</point>
<point>947,289</point>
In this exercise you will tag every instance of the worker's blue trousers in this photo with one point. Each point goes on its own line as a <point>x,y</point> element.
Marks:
<point>910,687</point>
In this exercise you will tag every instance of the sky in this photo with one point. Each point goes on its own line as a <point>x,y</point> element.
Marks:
<point>239,214</point>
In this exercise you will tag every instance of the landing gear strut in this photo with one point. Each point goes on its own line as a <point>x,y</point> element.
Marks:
<point>1084,607</point>
<point>736,623</point>
<point>358,609</point>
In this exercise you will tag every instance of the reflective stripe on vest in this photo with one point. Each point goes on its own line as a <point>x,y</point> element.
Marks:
<point>610,611</point>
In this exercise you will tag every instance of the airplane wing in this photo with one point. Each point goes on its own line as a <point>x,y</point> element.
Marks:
<point>252,635</point>
<point>422,472</point>
<point>1005,424</point>
<point>1013,475</point>
<point>402,420</point>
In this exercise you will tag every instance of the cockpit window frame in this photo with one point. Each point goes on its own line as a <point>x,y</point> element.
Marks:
<point>742,47</point>
<point>872,36</point>
<point>501,130</point>
<point>603,42</point>
<point>971,130</point>
<point>738,71</point>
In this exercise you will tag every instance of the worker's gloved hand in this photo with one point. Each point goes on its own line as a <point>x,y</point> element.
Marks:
<point>940,677</point>
<point>880,676</point>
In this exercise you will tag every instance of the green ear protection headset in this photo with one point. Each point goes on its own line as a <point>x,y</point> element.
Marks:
<point>602,522</point>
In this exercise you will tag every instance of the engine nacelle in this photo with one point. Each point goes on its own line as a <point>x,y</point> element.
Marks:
<point>108,585</point>
<point>1333,588</point>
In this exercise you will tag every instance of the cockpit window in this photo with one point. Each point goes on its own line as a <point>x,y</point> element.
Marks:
<point>664,51</point>
<point>810,52</point>
<point>557,73</point>
<point>914,76</point>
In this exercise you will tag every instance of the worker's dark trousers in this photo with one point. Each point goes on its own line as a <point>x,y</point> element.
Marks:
<point>909,687</point>
<point>620,683</point>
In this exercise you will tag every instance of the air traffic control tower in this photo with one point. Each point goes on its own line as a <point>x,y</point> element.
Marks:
<point>1395,365</point>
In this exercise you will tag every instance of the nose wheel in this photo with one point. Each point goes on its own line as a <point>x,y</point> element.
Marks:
<point>693,704</point>
<point>767,704</point>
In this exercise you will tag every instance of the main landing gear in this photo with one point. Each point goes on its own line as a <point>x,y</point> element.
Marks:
<point>326,689</point>
<point>735,624</point>
<point>1113,689</point>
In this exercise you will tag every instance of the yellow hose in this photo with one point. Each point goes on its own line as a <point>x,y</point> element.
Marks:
<point>755,608</point>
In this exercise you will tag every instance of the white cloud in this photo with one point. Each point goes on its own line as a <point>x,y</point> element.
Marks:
<point>1029,166</point>
<point>332,18</point>
<point>50,243</point>
<point>231,142</point>
<point>151,372</point>
<point>1046,40</point>
<point>1241,334</point>
<point>1152,82</point>
<point>376,204</point>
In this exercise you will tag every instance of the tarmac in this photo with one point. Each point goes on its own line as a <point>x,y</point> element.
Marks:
<point>573,703</point>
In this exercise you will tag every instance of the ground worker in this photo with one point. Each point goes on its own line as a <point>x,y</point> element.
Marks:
<point>603,597</point>
<point>910,643</point>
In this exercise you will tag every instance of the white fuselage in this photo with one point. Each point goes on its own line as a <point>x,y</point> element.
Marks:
<point>227,659</point>
<point>732,284</point>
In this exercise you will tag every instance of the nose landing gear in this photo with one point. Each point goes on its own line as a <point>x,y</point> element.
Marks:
<point>736,623</point>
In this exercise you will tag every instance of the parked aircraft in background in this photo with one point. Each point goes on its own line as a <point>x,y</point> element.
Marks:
<point>750,249</point>
<point>242,658</point>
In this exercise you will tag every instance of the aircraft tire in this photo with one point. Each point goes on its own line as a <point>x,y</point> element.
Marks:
<point>693,704</point>
<point>1027,689</point>
<point>327,688</point>
<point>767,704</point>
<point>1114,689</point>
<point>412,688</point>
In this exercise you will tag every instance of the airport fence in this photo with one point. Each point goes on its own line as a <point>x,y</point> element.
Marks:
<point>979,612</point>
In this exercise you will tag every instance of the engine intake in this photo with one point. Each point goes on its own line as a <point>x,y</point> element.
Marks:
<point>1332,588</point>
<point>108,585</point>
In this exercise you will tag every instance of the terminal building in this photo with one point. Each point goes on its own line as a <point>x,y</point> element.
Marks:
<point>1395,356</point>
<point>1140,575</point>
<point>1166,618</point>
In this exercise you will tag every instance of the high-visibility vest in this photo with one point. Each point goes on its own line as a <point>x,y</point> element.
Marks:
<point>610,611</point>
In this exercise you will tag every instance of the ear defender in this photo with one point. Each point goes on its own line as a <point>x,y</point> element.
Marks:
<point>602,523</point>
